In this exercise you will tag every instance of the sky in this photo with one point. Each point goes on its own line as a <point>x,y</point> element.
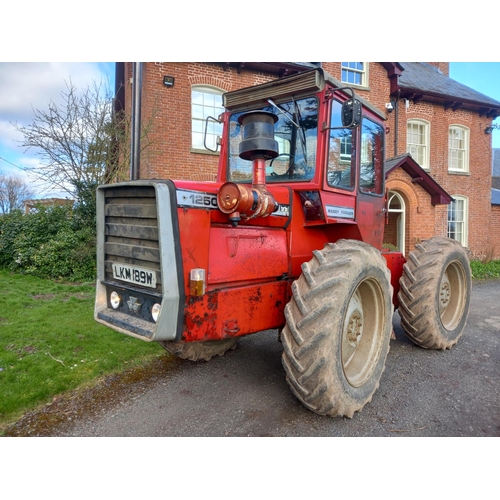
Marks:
<point>25,85</point>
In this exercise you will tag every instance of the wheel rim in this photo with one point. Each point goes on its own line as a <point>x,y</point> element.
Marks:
<point>452,296</point>
<point>363,332</point>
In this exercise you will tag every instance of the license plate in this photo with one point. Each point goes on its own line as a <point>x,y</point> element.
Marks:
<point>137,275</point>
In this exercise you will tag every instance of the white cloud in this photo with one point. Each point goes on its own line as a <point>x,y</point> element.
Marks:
<point>9,135</point>
<point>33,85</point>
<point>28,85</point>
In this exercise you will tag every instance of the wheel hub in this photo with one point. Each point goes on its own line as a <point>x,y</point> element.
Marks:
<point>452,295</point>
<point>445,293</point>
<point>354,328</point>
<point>362,338</point>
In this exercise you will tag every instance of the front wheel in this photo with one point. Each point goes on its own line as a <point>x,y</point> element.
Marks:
<point>435,292</point>
<point>338,328</point>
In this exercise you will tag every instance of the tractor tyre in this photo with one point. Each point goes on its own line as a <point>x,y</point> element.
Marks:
<point>338,328</point>
<point>435,292</point>
<point>196,351</point>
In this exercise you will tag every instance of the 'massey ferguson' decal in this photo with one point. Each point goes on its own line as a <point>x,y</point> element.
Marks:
<point>197,199</point>
<point>340,212</point>
<point>132,274</point>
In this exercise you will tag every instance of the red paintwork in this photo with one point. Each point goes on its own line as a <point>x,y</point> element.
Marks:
<point>250,267</point>
<point>395,262</point>
<point>236,311</point>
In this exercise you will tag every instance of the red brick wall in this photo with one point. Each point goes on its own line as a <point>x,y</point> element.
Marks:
<point>475,185</point>
<point>421,215</point>
<point>171,156</point>
<point>378,88</point>
<point>494,250</point>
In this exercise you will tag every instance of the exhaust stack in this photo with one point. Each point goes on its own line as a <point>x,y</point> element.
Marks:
<point>258,145</point>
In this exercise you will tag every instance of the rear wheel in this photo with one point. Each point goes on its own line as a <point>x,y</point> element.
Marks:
<point>196,351</point>
<point>434,298</point>
<point>338,328</point>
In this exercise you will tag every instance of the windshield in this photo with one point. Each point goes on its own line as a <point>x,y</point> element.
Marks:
<point>296,135</point>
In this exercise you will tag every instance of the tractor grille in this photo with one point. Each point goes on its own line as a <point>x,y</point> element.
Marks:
<point>131,232</point>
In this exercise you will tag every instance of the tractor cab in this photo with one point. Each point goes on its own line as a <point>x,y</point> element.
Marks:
<point>328,149</point>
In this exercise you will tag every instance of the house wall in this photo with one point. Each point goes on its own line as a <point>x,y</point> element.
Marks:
<point>474,185</point>
<point>494,250</point>
<point>171,155</point>
<point>421,216</point>
<point>378,89</point>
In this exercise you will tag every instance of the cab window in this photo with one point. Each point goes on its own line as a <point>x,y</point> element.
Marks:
<point>371,175</point>
<point>340,171</point>
<point>296,133</point>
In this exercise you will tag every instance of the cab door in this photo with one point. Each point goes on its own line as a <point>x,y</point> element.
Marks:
<point>370,203</point>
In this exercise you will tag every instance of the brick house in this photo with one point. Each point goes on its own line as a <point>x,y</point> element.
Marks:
<point>438,149</point>
<point>495,195</point>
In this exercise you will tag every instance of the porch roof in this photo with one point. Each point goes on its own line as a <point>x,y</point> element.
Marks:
<point>418,176</point>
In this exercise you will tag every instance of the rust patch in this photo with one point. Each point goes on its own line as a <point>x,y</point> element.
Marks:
<point>257,297</point>
<point>213,302</point>
<point>200,318</point>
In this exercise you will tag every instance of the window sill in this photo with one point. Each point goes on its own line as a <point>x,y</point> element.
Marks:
<point>204,152</point>
<point>357,87</point>
<point>458,172</point>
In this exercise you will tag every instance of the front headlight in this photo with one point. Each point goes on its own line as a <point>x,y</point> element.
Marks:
<point>115,300</point>
<point>155,311</point>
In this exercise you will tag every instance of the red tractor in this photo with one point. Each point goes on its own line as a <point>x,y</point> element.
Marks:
<point>289,237</point>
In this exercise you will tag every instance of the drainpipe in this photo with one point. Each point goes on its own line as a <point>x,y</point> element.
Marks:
<point>396,128</point>
<point>135,156</point>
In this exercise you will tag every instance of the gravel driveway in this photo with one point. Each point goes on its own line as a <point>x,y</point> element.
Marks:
<point>422,393</point>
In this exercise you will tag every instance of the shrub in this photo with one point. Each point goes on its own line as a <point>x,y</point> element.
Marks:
<point>49,243</point>
<point>11,226</point>
<point>482,270</point>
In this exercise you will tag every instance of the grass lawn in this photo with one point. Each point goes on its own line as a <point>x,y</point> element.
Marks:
<point>51,344</point>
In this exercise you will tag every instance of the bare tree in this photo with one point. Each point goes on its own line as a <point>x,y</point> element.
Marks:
<point>13,193</point>
<point>80,141</point>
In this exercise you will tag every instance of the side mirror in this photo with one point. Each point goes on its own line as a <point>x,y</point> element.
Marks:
<point>218,139</point>
<point>351,113</point>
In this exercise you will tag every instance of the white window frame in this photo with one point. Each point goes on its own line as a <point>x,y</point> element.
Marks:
<point>199,113</point>
<point>462,222</point>
<point>401,220</point>
<point>458,153</point>
<point>420,151</point>
<point>354,72</point>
